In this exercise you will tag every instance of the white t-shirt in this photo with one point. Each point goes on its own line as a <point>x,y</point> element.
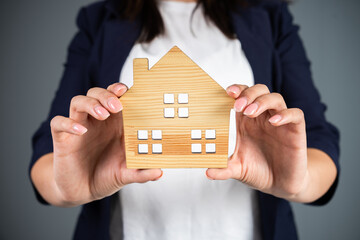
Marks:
<point>184,204</point>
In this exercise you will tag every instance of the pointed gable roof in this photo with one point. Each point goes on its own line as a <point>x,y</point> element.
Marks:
<point>175,58</point>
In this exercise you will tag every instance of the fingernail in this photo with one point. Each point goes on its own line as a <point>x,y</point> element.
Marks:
<point>101,112</point>
<point>115,104</point>
<point>240,104</point>
<point>251,109</point>
<point>275,119</point>
<point>79,129</point>
<point>233,89</point>
<point>159,176</point>
<point>119,87</point>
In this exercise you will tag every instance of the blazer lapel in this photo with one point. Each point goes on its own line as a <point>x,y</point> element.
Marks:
<point>254,32</point>
<point>118,38</point>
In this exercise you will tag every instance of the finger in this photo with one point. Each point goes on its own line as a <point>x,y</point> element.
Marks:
<point>291,115</point>
<point>140,175</point>
<point>235,90</point>
<point>271,101</point>
<point>82,106</point>
<point>232,170</point>
<point>247,96</point>
<point>107,99</point>
<point>218,173</point>
<point>118,89</point>
<point>60,124</point>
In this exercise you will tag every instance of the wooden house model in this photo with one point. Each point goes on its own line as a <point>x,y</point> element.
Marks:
<point>175,116</point>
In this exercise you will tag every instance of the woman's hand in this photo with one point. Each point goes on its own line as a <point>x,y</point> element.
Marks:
<point>89,153</point>
<point>271,150</point>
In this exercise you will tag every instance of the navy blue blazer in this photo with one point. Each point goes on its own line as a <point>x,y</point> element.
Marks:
<point>272,45</point>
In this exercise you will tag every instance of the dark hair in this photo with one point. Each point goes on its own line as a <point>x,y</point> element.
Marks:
<point>152,24</point>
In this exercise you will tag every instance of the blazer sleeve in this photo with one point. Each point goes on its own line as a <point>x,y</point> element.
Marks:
<point>73,82</point>
<point>298,90</point>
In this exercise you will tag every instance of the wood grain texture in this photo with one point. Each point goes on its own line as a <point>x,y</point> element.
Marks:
<point>209,108</point>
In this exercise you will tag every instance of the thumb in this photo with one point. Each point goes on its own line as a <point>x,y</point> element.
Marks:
<point>233,170</point>
<point>218,173</point>
<point>140,175</point>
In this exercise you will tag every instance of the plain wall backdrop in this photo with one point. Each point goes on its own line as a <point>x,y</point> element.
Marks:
<point>34,36</point>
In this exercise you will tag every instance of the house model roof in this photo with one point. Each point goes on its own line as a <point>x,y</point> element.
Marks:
<point>175,115</point>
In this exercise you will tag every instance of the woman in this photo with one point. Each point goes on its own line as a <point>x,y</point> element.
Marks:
<point>252,49</point>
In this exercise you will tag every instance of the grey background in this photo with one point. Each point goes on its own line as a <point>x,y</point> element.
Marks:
<point>33,40</point>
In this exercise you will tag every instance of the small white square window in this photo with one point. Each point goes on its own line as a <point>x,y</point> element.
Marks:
<point>210,148</point>
<point>195,134</point>
<point>196,148</point>
<point>157,148</point>
<point>210,134</point>
<point>142,134</point>
<point>143,148</point>
<point>183,98</point>
<point>183,112</point>
<point>169,112</point>
<point>169,98</point>
<point>156,134</point>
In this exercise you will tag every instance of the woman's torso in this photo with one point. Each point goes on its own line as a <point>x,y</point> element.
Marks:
<point>184,204</point>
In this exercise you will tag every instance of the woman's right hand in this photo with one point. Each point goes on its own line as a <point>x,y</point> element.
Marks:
<point>89,149</point>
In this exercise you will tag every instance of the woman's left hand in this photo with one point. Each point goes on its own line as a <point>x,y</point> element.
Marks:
<point>271,150</point>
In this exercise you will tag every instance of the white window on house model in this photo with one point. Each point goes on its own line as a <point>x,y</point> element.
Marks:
<point>169,112</point>
<point>210,134</point>
<point>142,134</point>
<point>157,148</point>
<point>183,98</point>
<point>210,148</point>
<point>196,134</point>
<point>196,148</point>
<point>143,147</point>
<point>156,134</point>
<point>182,112</point>
<point>169,98</point>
